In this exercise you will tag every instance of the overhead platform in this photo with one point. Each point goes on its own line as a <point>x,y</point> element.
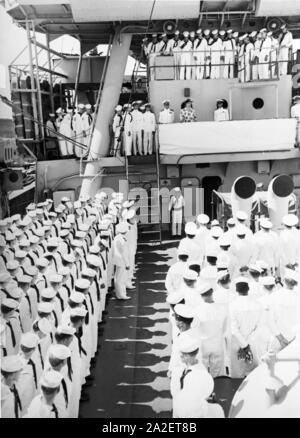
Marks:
<point>247,136</point>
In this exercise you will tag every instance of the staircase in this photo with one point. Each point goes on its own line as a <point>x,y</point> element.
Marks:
<point>144,186</point>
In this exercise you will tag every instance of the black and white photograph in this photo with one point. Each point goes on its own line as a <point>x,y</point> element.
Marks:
<point>149,212</point>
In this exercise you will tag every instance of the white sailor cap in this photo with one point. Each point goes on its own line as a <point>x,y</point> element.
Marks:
<point>224,240</point>
<point>119,108</point>
<point>10,303</point>
<point>190,228</point>
<point>88,106</point>
<point>255,268</point>
<point>81,284</point>
<point>44,326</point>
<point>186,33</point>
<point>14,291</point>
<point>241,215</point>
<point>79,312</point>
<point>130,214</point>
<point>177,32</point>
<point>94,261</point>
<point>189,274</point>
<point>229,31</point>
<point>215,222</point>
<point>59,110</point>
<point>222,274</point>
<point>222,32</point>
<point>48,293</point>
<point>24,279</point>
<point>12,265</point>
<point>263,30</point>
<point>165,101</point>
<point>290,220</point>
<point>51,379</point>
<point>65,329</point>
<point>64,232</point>
<point>51,115</point>
<point>5,277</point>
<point>216,231</point>
<point>267,280</point>
<point>253,34</point>
<point>235,34</point>
<point>95,249</point>
<point>55,278</point>
<point>291,274</point>
<point>80,105</point>
<point>75,243</point>
<point>30,340</point>
<point>241,280</point>
<point>122,228</point>
<point>266,223</point>
<point>215,32</point>
<point>42,262</point>
<point>59,351</point>
<point>9,237</point>
<point>11,364</point>
<point>20,254</point>
<point>283,26</point>
<point>199,32</point>
<point>241,230</point>
<point>52,243</point>
<point>192,33</point>
<point>187,343</point>
<point>262,264</point>
<point>204,287</point>
<point>231,221</point>
<point>163,35</point>
<point>270,33</point>
<point>45,307</point>
<point>77,297</point>
<point>175,297</point>
<point>184,311</point>
<point>182,251</point>
<point>154,35</point>
<point>242,37</point>
<point>88,272</point>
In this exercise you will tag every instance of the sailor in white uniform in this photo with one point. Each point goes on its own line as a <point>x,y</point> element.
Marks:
<point>152,51</point>
<point>289,242</point>
<point>117,129</point>
<point>216,47</point>
<point>77,126</point>
<point>185,57</point>
<point>285,45</point>
<point>176,207</point>
<point>44,404</point>
<point>190,244</point>
<point>229,47</point>
<point>136,127</point>
<point>11,405</point>
<point>174,48</point>
<point>149,127</point>
<point>174,278</point>
<point>65,128</point>
<point>264,55</point>
<point>127,136</point>
<point>221,114</point>
<point>191,377</point>
<point>199,51</point>
<point>245,317</point>
<point>166,115</point>
<point>266,245</point>
<point>121,261</point>
<point>87,122</point>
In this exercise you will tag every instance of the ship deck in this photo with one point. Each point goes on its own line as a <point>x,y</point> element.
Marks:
<point>130,375</point>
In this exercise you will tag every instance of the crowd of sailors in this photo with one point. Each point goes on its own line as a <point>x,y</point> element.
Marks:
<point>234,299</point>
<point>215,54</point>
<point>56,268</point>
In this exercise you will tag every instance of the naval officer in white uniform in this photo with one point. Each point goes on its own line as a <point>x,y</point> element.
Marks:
<point>176,206</point>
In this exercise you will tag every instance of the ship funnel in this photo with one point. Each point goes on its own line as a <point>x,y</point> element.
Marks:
<point>279,190</point>
<point>242,193</point>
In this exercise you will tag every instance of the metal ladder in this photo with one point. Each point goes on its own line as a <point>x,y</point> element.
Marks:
<point>150,206</point>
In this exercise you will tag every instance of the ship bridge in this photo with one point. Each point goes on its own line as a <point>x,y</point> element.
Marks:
<point>259,139</point>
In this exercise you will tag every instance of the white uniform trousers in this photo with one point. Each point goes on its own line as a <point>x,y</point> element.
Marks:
<point>176,222</point>
<point>137,142</point>
<point>228,71</point>
<point>127,139</point>
<point>121,275</point>
<point>263,68</point>
<point>185,66</point>
<point>148,142</point>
